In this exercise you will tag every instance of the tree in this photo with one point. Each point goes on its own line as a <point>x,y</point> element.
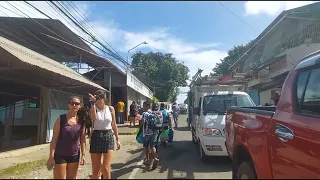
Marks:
<point>234,54</point>
<point>162,71</point>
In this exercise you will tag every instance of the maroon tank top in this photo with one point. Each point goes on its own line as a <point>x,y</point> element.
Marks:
<point>69,138</point>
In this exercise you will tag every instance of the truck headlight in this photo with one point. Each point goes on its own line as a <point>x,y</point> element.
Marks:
<point>211,132</point>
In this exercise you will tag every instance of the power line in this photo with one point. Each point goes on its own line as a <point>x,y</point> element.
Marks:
<point>85,20</point>
<point>32,33</point>
<point>58,34</point>
<point>85,31</point>
<point>237,17</point>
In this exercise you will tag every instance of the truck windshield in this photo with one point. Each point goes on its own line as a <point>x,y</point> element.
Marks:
<point>220,103</point>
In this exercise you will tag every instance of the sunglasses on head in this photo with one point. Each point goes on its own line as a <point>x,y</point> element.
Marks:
<point>74,103</point>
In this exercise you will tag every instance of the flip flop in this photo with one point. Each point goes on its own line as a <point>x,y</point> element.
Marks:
<point>155,163</point>
<point>146,162</point>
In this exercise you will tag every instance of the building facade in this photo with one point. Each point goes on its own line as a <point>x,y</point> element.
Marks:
<point>293,35</point>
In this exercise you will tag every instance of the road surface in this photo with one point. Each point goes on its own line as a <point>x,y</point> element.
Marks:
<point>181,161</point>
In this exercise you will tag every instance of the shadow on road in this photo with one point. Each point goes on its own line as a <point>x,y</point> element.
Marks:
<point>134,151</point>
<point>181,161</point>
<point>182,129</point>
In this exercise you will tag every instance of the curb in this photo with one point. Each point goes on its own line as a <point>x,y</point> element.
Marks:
<point>23,151</point>
<point>128,133</point>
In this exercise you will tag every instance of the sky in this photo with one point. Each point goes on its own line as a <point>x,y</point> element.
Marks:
<point>198,34</point>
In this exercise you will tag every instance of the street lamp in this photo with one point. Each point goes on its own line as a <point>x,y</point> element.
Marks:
<point>144,42</point>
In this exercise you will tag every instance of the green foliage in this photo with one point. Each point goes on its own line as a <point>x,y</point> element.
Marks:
<point>234,54</point>
<point>161,72</point>
<point>154,99</point>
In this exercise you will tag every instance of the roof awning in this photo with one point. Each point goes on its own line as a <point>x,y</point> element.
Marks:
<point>20,63</point>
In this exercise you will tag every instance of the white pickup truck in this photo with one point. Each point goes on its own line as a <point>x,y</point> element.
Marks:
<point>208,120</point>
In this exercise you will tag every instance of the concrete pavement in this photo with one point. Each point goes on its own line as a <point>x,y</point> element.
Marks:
<point>181,161</point>
<point>120,158</point>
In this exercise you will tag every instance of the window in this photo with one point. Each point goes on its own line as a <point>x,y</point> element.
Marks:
<point>301,84</point>
<point>220,103</point>
<point>33,103</point>
<point>311,100</point>
<point>308,92</point>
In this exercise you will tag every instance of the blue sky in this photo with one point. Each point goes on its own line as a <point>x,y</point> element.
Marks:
<point>196,33</point>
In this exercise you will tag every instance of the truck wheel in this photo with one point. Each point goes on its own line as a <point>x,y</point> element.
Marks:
<point>203,156</point>
<point>246,171</point>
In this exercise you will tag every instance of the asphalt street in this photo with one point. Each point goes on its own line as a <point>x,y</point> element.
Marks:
<point>179,161</point>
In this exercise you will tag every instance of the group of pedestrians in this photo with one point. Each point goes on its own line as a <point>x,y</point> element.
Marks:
<point>68,144</point>
<point>153,122</point>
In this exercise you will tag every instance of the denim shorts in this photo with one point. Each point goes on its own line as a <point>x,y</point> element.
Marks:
<point>150,140</point>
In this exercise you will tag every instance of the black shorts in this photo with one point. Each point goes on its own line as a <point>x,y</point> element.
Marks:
<point>66,159</point>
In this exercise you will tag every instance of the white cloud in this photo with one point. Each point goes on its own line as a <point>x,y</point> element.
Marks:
<point>271,8</point>
<point>194,55</point>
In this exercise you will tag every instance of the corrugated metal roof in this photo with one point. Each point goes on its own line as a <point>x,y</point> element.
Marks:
<point>31,57</point>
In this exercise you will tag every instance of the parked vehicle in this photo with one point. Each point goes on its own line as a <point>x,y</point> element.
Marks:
<point>183,108</point>
<point>283,141</point>
<point>208,115</point>
<point>210,120</point>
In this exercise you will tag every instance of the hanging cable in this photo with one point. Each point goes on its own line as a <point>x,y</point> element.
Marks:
<point>237,17</point>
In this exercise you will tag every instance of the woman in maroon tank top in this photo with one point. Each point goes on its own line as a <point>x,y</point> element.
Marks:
<point>68,138</point>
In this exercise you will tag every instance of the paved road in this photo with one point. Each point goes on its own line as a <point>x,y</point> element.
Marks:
<point>181,161</point>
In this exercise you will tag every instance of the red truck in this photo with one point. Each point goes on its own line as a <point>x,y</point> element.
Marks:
<point>284,141</point>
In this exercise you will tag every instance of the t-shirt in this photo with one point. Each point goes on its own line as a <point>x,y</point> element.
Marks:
<point>165,116</point>
<point>120,106</point>
<point>175,109</point>
<point>132,110</point>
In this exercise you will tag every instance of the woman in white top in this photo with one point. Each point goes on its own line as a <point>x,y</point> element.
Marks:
<point>102,140</point>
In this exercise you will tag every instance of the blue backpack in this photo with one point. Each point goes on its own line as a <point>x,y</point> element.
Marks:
<point>154,121</point>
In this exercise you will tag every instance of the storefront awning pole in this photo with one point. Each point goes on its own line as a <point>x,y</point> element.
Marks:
<point>110,87</point>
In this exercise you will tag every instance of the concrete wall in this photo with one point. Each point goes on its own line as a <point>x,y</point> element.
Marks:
<point>117,79</point>
<point>265,97</point>
<point>134,96</point>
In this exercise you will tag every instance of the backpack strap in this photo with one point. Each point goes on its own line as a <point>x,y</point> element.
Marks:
<point>110,109</point>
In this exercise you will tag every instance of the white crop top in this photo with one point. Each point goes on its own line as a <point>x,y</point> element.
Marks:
<point>104,119</point>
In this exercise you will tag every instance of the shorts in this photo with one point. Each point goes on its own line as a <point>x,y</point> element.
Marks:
<point>101,141</point>
<point>66,159</point>
<point>150,140</point>
<point>175,115</point>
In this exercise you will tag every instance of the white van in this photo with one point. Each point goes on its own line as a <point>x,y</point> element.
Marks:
<point>210,118</point>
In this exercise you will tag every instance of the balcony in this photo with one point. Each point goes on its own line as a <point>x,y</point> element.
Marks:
<point>279,72</point>
<point>258,81</point>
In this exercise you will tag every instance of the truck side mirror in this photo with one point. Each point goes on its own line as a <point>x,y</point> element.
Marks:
<point>195,111</point>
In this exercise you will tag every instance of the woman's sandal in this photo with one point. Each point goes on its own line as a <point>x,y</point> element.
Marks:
<point>146,162</point>
<point>155,163</point>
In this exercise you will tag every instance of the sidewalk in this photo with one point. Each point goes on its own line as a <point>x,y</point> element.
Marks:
<point>129,147</point>
<point>39,152</point>
<point>126,129</point>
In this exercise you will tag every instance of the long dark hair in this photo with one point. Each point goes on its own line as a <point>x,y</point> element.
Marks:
<point>83,116</point>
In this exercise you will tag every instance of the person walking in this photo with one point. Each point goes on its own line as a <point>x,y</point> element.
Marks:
<point>175,111</point>
<point>132,113</point>
<point>102,139</point>
<point>150,133</point>
<point>67,141</point>
<point>120,109</point>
